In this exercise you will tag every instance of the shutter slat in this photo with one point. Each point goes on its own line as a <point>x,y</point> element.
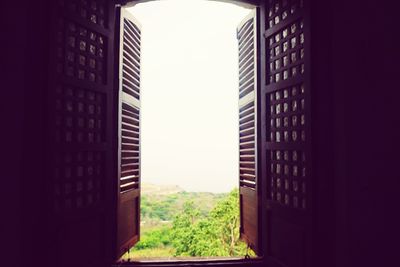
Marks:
<point>132,45</point>
<point>246,27</point>
<point>131,59</point>
<point>249,49</point>
<point>248,39</point>
<point>132,69</point>
<point>130,51</point>
<point>246,75</point>
<point>246,61</point>
<point>129,86</point>
<point>130,31</point>
<point>132,27</point>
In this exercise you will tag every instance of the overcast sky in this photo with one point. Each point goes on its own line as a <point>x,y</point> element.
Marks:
<point>189,93</point>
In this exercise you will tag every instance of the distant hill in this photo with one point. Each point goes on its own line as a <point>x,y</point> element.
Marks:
<point>161,203</point>
<point>153,189</point>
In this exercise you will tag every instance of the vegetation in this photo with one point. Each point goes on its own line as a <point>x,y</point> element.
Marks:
<point>187,224</point>
<point>164,207</point>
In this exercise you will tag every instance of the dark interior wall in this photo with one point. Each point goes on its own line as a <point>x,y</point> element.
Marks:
<point>320,17</point>
<point>23,64</point>
<point>34,226</point>
<point>12,77</point>
<point>365,72</point>
<point>24,60</point>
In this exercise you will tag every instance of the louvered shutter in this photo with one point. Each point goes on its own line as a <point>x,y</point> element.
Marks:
<point>79,140</point>
<point>248,92</point>
<point>128,217</point>
<point>287,134</point>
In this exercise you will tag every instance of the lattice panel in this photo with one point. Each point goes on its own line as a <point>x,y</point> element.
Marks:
<point>79,116</point>
<point>288,177</point>
<point>130,148</point>
<point>78,179</point>
<point>279,10</point>
<point>78,104</point>
<point>286,53</point>
<point>131,59</point>
<point>79,174</point>
<point>287,115</point>
<point>287,105</point>
<point>93,11</point>
<point>80,52</point>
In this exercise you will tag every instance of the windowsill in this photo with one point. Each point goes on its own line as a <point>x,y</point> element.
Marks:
<point>216,258</point>
<point>193,261</point>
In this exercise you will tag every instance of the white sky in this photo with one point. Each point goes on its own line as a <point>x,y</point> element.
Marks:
<point>189,93</point>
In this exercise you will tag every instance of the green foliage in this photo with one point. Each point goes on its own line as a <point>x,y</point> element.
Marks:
<point>195,230</point>
<point>214,235</point>
<point>154,239</point>
<point>165,207</point>
<point>226,219</point>
<point>161,210</point>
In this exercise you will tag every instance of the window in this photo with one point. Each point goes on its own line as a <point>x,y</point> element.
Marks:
<point>87,94</point>
<point>129,70</point>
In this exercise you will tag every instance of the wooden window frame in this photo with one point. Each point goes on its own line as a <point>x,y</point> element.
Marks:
<point>256,261</point>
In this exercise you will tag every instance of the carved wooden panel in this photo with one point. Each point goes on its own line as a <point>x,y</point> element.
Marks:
<point>80,119</point>
<point>79,104</point>
<point>287,100</point>
<point>287,163</point>
<point>287,133</point>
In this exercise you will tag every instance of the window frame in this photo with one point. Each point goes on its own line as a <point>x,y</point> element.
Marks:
<point>258,260</point>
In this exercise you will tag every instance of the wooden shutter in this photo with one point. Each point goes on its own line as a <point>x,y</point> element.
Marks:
<point>80,125</point>
<point>287,134</point>
<point>128,213</point>
<point>248,92</point>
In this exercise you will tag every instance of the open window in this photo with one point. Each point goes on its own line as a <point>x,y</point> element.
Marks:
<point>94,129</point>
<point>129,128</point>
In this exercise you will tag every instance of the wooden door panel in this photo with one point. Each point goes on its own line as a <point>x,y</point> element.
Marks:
<point>248,131</point>
<point>286,110</point>
<point>128,204</point>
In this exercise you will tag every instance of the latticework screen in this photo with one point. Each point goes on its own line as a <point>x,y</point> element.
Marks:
<point>79,93</point>
<point>79,118</point>
<point>288,103</point>
<point>287,136</point>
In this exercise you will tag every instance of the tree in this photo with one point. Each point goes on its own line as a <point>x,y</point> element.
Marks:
<point>225,216</point>
<point>183,230</point>
<point>214,235</point>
